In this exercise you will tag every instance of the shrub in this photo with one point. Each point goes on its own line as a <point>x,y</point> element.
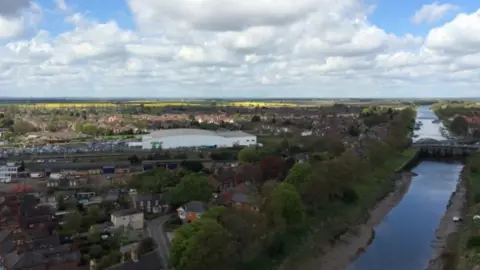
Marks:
<point>349,195</point>
<point>473,242</point>
<point>477,198</point>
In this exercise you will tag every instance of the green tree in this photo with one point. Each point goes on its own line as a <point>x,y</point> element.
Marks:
<point>73,223</point>
<point>95,214</point>
<point>22,127</point>
<point>89,129</point>
<point>112,258</point>
<point>459,125</point>
<point>214,212</point>
<point>298,174</point>
<point>201,245</point>
<point>284,207</point>
<point>192,165</point>
<point>248,229</point>
<point>94,235</point>
<point>192,187</point>
<point>249,155</point>
<point>60,199</point>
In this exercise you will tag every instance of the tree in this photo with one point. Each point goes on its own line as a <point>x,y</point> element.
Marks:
<point>60,199</point>
<point>459,125</point>
<point>22,127</point>
<point>201,245</point>
<point>249,155</point>
<point>192,165</point>
<point>94,235</point>
<point>134,160</point>
<point>192,187</point>
<point>248,229</point>
<point>214,213</point>
<point>284,207</point>
<point>89,129</point>
<point>256,118</point>
<point>273,167</point>
<point>108,260</point>
<point>95,214</point>
<point>73,223</point>
<point>298,174</point>
<point>95,251</point>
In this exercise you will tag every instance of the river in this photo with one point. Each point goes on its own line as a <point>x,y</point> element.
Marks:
<point>403,239</point>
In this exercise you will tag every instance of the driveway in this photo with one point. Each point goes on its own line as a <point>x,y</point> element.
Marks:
<point>155,229</point>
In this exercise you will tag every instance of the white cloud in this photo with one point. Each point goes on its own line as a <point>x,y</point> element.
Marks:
<point>247,48</point>
<point>11,27</point>
<point>432,12</point>
<point>61,5</point>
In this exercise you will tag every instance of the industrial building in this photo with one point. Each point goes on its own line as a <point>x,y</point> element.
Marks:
<point>185,137</point>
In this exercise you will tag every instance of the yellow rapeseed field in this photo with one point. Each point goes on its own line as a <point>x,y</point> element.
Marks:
<point>153,104</point>
<point>66,105</point>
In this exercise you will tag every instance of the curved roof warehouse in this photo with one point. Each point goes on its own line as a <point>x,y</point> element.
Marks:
<point>187,137</point>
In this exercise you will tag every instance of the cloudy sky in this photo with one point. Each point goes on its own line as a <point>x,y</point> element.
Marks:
<point>232,48</point>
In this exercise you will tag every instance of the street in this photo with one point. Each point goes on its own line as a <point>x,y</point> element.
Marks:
<point>155,229</point>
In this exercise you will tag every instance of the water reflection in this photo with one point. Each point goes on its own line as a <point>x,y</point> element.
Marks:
<point>429,129</point>
<point>403,239</point>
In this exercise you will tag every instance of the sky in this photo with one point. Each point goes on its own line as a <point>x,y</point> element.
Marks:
<point>231,48</point>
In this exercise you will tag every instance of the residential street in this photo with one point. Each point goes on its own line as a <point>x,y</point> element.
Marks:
<point>155,229</point>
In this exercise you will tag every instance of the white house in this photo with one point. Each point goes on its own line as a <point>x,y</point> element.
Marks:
<point>8,171</point>
<point>128,219</point>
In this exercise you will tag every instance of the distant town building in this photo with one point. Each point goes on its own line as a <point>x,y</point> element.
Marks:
<point>185,137</point>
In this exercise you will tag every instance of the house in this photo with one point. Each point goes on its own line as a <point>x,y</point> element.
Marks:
<point>151,203</point>
<point>224,179</point>
<point>149,261</point>
<point>30,249</point>
<point>244,196</point>
<point>128,218</point>
<point>33,215</point>
<point>84,197</point>
<point>191,211</point>
<point>112,195</point>
<point>8,171</point>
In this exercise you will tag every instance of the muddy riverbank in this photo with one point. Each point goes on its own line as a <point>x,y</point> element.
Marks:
<point>343,251</point>
<point>444,235</point>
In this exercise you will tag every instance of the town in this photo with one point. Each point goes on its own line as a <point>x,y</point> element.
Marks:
<point>116,212</point>
<point>245,183</point>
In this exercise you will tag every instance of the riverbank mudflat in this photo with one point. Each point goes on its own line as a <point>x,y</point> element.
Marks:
<point>340,254</point>
<point>457,206</point>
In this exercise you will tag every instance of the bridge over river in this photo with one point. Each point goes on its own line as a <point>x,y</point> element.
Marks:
<point>445,147</point>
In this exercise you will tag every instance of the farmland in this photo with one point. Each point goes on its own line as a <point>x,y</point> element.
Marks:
<point>150,104</point>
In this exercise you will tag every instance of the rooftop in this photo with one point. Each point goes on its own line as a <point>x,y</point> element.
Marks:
<point>196,206</point>
<point>149,261</point>
<point>126,212</point>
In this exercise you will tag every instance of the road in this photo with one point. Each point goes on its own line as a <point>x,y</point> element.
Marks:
<point>155,229</point>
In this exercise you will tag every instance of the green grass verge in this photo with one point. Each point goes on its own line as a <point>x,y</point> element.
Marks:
<point>470,256</point>
<point>326,225</point>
